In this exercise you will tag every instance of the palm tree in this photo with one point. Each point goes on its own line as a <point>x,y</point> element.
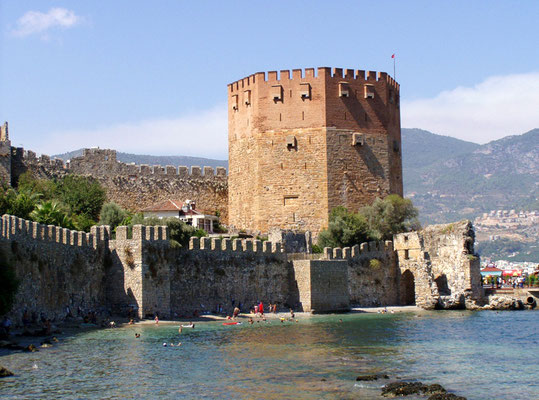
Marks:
<point>51,213</point>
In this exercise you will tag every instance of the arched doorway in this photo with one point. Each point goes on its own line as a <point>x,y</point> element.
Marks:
<point>407,288</point>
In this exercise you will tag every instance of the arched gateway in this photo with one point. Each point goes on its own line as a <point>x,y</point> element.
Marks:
<point>407,288</point>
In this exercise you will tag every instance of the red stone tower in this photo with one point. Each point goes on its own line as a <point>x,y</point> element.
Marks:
<point>302,144</point>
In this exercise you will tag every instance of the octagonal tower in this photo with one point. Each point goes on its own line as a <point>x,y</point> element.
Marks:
<point>301,144</point>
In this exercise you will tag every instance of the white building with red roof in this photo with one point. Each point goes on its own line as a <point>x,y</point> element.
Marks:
<point>185,211</point>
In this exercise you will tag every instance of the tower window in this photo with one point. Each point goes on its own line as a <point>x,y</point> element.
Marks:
<point>235,102</point>
<point>344,90</point>
<point>247,97</point>
<point>305,91</point>
<point>358,139</point>
<point>277,93</point>
<point>291,142</point>
<point>369,91</point>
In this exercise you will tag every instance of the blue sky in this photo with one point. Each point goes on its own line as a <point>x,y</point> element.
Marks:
<point>150,77</point>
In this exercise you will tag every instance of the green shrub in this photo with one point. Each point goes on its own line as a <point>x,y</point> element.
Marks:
<point>112,214</point>
<point>379,221</point>
<point>316,249</point>
<point>81,195</point>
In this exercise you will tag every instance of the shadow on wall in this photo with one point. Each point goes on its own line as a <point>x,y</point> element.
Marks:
<point>443,287</point>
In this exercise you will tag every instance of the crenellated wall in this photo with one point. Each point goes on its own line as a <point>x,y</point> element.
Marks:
<point>133,186</point>
<point>61,272</point>
<point>139,270</point>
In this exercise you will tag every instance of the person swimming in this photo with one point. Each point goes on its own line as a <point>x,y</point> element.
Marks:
<point>137,335</point>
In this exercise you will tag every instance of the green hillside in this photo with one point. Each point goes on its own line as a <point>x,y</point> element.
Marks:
<point>460,179</point>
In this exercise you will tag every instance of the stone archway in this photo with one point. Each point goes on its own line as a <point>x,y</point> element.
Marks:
<point>407,288</point>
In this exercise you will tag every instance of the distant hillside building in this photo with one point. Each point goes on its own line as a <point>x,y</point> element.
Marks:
<point>301,144</point>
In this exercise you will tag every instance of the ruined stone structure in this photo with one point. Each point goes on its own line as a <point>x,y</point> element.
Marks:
<point>63,271</point>
<point>134,187</point>
<point>309,142</point>
<point>438,266</point>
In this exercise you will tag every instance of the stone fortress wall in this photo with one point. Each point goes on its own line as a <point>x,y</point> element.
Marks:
<point>311,141</point>
<point>132,186</point>
<point>60,269</point>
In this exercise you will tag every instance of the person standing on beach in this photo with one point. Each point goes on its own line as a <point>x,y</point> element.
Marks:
<point>261,308</point>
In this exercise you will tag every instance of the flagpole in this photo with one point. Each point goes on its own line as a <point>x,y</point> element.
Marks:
<point>394,74</point>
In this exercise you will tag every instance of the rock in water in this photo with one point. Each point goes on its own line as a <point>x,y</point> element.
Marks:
<point>5,372</point>
<point>407,388</point>
<point>435,388</point>
<point>372,377</point>
<point>446,396</point>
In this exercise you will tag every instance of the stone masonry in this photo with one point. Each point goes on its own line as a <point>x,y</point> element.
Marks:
<point>310,142</point>
<point>67,272</point>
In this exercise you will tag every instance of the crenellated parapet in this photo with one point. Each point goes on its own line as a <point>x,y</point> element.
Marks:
<point>312,74</point>
<point>104,162</point>
<point>369,249</point>
<point>243,246</point>
<point>143,233</point>
<point>15,228</point>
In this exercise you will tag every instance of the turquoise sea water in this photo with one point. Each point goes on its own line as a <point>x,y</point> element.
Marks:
<point>479,355</point>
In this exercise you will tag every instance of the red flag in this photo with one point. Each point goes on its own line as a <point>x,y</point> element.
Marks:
<point>393,56</point>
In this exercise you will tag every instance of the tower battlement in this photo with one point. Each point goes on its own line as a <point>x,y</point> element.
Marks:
<point>308,74</point>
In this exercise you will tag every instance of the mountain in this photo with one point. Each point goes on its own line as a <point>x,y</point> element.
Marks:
<point>156,160</point>
<point>458,179</point>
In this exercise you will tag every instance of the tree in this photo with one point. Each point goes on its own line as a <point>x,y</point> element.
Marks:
<point>44,188</point>
<point>389,216</point>
<point>82,195</point>
<point>18,204</point>
<point>51,213</point>
<point>344,229</point>
<point>112,214</point>
<point>379,221</point>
